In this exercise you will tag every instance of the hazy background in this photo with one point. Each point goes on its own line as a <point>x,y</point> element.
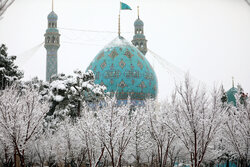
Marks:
<point>208,38</point>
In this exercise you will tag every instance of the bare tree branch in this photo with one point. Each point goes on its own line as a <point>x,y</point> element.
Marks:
<point>248,2</point>
<point>4,5</point>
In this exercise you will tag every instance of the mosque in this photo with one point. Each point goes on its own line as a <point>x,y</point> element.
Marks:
<point>121,66</point>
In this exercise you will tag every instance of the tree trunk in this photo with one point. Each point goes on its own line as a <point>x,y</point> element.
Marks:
<point>165,157</point>
<point>227,165</point>
<point>15,163</point>
<point>79,108</point>
<point>22,159</point>
<point>137,161</point>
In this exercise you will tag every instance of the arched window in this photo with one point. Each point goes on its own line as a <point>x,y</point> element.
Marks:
<point>57,40</point>
<point>53,40</point>
<point>48,39</point>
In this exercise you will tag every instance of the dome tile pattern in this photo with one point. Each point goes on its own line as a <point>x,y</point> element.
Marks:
<point>138,22</point>
<point>125,71</point>
<point>52,16</point>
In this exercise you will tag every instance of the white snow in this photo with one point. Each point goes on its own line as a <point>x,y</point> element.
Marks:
<point>58,98</point>
<point>2,68</point>
<point>118,42</point>
<point>59,85</point>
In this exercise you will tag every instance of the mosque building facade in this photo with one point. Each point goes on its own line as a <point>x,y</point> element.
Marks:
<point>124,69</point>
<point>121,66</point>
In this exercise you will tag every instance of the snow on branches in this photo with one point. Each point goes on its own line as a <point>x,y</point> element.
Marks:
<point>196,119</point>
<point>69,94</point>
<point>8,70</point>
<point>88,128</point>
<point>21,117</point>
<point>236,133</point>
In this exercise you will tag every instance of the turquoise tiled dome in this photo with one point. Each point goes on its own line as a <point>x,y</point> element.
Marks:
<point>138,22</point>
<point>125,71</point>
<point>231,95</point>
<point>52,16</point>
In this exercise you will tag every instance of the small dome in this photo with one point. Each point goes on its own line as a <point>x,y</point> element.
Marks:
<point>52,16</point>
<point>231,95</point>
<point>138,22</point>
<point>125,71</point>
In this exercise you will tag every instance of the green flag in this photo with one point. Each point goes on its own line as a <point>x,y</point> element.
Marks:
<point>124,6</point>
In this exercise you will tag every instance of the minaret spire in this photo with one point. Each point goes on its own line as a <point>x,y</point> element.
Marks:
<point>138,13</point>
<point>233,82</point>
<point>52,5</point>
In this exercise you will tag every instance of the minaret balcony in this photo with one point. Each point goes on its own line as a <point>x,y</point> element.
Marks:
<point>52,31</point>
<point>52,45</point>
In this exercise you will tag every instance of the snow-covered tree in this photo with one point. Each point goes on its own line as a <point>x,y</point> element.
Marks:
<point>223,96</point>
<point>161,134</point>
<point>8,70</point>
<point>69,148</point>
<point>176,153</point>
<point>107,131</point>
<point>4,5</point>
<point>88,131</point>
<point>141,143</point>
<point>196,119</point>
<point>6,155</point>
<point>68,94</point>
<point>21,117</point>
<point>49,148</point>
<point>236,133</point>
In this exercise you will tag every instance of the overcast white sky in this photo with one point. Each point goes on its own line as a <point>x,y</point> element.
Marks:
<point>208,38</point>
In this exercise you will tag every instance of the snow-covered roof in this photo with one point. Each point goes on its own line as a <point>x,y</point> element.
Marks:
<point>118,42</point>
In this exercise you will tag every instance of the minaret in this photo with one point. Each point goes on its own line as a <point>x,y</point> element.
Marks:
<point>52,44</point>
<point>139,39</point>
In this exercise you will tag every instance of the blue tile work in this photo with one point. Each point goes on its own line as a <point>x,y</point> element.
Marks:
<point>125,71</point>
<point>51,66</point>
<point>52,16</point>
<point>231,95</point>
<point>139,39</point>
<point>231,164</point>
<point>52,44</point>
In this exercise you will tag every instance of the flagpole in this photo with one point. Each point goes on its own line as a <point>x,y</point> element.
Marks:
<point>119,22</point>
